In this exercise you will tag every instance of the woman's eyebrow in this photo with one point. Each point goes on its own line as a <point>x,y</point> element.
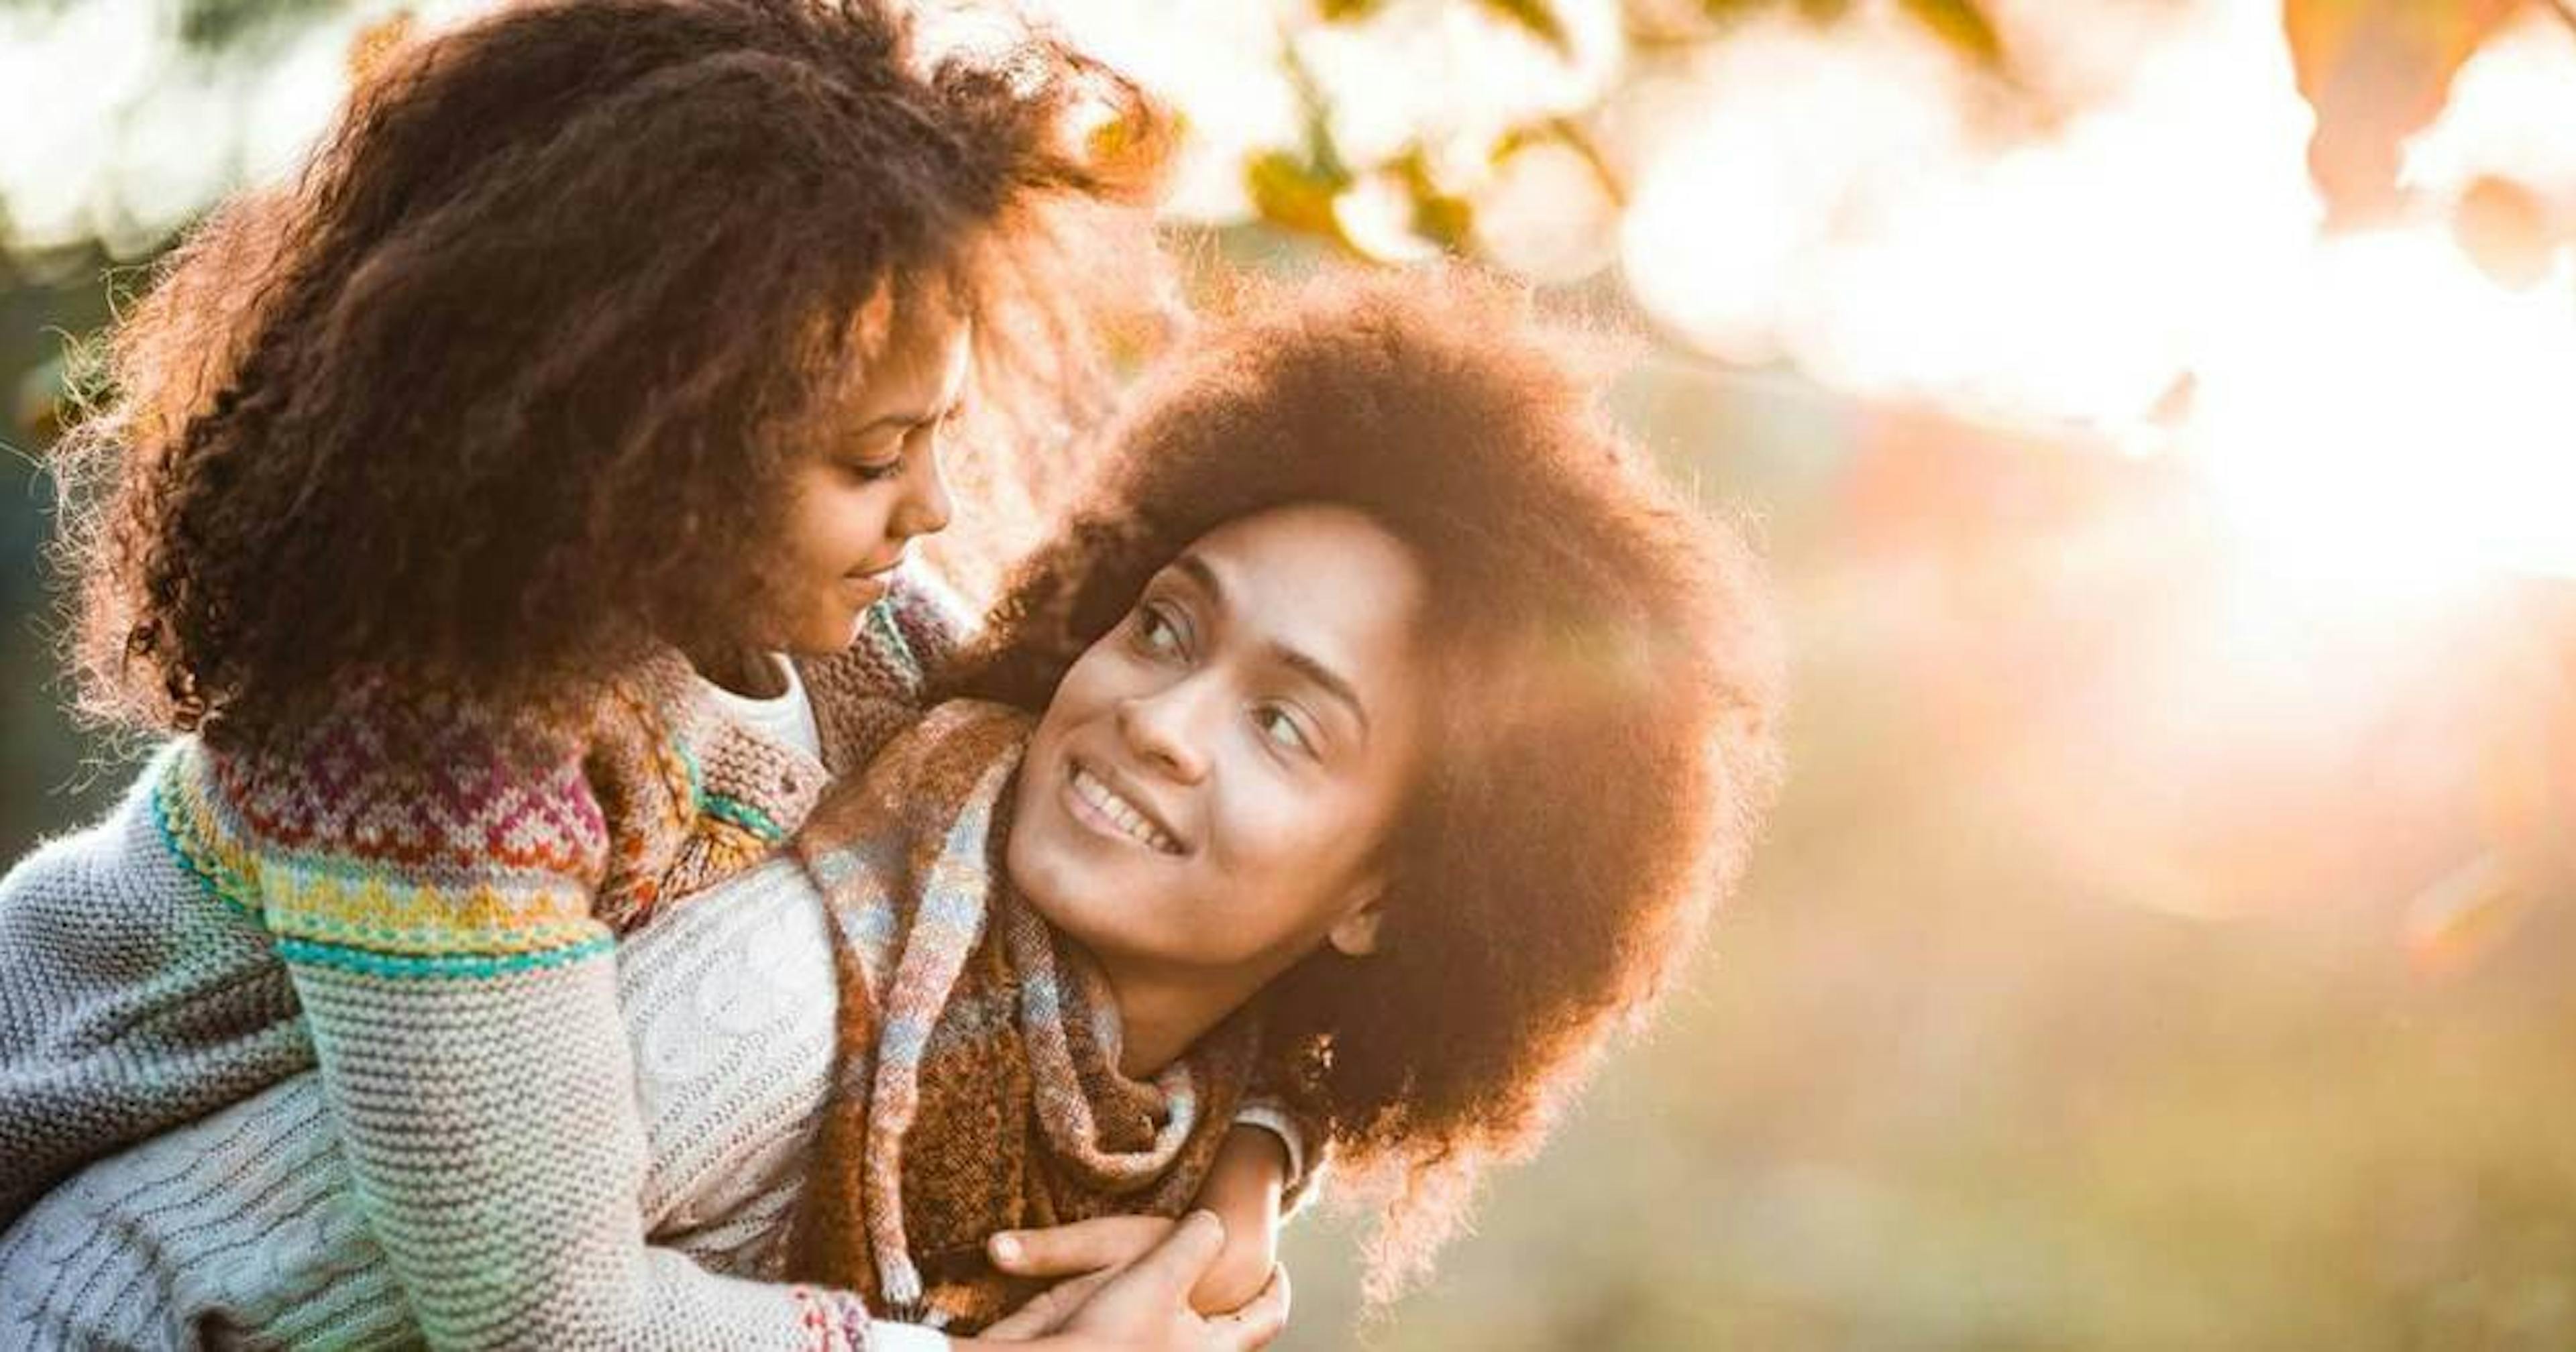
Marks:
<point>1325,679</point>
<point>1305,664</point>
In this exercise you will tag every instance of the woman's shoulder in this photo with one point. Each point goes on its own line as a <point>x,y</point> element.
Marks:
<point>920,777</point>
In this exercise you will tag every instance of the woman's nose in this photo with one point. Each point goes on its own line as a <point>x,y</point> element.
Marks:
<point>1161,728</point>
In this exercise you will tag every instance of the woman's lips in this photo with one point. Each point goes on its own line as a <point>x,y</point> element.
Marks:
<point>1100,804</point>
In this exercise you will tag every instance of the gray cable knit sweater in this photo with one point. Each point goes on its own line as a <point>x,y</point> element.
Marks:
<point>241,1228</point>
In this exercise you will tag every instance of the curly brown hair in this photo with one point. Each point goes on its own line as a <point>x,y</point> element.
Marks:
<point>490,399</point>
<point>1606,728</point>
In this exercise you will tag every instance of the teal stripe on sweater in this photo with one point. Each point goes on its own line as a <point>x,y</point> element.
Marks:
<point>717,805</point>
<point>741,814</point>
<point>222,883</point>
<point>883,614</point>
<point>474,966</point>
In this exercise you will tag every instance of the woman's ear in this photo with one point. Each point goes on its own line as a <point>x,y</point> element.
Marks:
<point>1355,934</point>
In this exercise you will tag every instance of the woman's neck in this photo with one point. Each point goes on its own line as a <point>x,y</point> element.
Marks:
<point>1159,1016</point>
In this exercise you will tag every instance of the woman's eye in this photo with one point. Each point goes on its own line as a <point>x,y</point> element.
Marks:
<point>1282,730</point>
<point>879,471</point>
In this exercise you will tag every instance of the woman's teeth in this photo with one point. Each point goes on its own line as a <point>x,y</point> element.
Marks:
<point>1123,813</point>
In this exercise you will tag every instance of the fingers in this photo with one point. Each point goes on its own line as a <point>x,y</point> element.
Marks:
<point>1258,1322</point>
<point>1047,1310</point>
<point>1174,1266</point>
<point>1035,1319</point>
<point>1084,1246</point>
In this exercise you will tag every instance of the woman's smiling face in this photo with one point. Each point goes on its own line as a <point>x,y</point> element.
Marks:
<point>1209,793</point>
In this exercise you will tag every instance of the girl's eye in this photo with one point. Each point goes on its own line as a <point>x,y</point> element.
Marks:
<point>1157,633</point>
<point>879,472</point>
<point>1282,730</point>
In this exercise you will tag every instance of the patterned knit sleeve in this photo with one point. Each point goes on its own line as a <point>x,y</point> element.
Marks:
<point>429,881</point>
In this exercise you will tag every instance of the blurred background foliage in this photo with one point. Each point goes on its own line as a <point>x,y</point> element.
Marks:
<point>2157,413</point>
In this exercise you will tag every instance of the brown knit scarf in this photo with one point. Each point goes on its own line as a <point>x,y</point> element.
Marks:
<point>978,1086</point>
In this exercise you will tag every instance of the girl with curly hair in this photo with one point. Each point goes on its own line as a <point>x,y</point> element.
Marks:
<point>1377,727</point>
<point>507,517</point>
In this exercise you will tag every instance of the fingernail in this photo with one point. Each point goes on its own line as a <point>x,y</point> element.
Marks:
<point>1006,1249</point>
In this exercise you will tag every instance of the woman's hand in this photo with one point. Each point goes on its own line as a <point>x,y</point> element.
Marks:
<point>1079,1258</point>
<point>1125,1283</point>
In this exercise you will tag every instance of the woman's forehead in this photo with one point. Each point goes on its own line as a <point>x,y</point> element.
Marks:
<point>1320,581</point>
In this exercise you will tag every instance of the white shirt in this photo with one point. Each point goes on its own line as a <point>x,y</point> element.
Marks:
<point>786,718</point>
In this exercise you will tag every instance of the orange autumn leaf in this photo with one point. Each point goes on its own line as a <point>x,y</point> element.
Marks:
<point>2376,72</point>
<point>1963,26</point>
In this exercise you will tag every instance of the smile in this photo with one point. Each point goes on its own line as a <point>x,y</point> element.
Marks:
<point>1106,810</point>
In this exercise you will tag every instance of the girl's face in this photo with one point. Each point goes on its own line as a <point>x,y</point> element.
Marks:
<point>870,484</point>
<point>1209,792</point>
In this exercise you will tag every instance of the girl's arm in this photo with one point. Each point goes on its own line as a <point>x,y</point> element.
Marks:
<point>1243,1189</point>
<point>462,998</point>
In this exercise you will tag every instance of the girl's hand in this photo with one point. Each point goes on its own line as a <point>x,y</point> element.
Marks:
<point>1128,1285</point>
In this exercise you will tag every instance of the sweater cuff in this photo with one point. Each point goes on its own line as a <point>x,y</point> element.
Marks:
<point>890,1337</point>
<point>1284,1127</point>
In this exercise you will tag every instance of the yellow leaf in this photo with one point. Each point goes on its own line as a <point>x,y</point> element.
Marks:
<point>1292,194</point>
<point>1538,17</point>
<point>1962,25</point>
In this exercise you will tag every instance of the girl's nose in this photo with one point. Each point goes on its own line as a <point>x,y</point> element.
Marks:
<point>925,507</point>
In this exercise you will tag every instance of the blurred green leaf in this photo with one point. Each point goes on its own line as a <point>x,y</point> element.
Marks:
<point>211,25</point>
